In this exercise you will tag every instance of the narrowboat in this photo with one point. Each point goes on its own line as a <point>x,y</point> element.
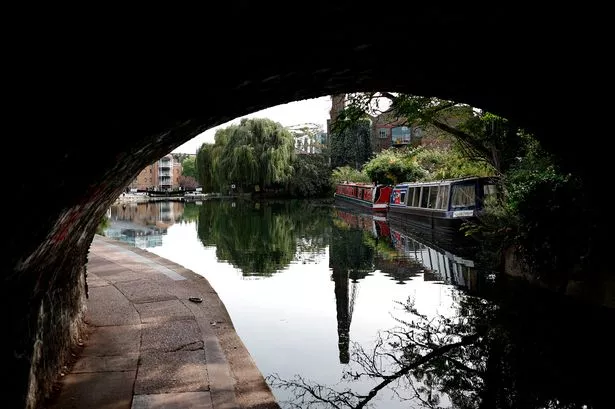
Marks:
<point>440,207</point>
<point>375,197</point>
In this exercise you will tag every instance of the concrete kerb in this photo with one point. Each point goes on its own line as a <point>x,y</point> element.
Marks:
<point>235,380</point>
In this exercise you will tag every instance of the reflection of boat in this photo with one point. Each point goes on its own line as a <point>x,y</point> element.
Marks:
<point>375,197</point>
<point>439,264</point>
<point>440,206</point>
<point>373,223</point>
<point>412,256</point>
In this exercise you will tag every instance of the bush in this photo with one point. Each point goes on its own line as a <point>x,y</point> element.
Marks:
<point>311,177</point>
<point>393,166</point>
<point>348,174</point>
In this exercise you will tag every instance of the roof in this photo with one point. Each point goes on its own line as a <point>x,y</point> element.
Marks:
<point>445,181</point>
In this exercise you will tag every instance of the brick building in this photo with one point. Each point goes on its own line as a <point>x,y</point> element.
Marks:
<point>389,131</point>
<point>386,130</point>
<point>161,175</point>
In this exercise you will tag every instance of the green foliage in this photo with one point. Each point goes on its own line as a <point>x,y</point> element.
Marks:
<point>393,166</point>
<point>543,214</point>
<point>262,238</point>
<point>207,159</point>
<point>448,164</point>
<point>103,225</point>
<point>180,157</point>
<point>350,143</point>
<point>190,213</point>
<point>348,174</point>
<point>541,211</point>
<point>189,166</point>
<point>312,177</point>
<point>479,135</point>
<point>254,152</point>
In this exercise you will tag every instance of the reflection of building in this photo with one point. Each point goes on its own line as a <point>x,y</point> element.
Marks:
<point>161,175</point>
<point>157,214</point>
<point>142,224</point>
<point>139,237</point>
<point>344,304</point>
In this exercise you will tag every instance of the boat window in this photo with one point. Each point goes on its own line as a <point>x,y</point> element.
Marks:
<point>411,195</point>
<point>425,197</point>
<point>433,195</point>
<point>442,197</point>
<point>417,197</point>
<point>463,196</point>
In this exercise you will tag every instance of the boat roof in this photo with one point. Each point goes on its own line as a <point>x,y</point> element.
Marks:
<point>444,181</point>
<point>360,184</point>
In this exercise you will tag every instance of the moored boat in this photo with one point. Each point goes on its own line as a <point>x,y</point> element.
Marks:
<point>440,206</point>
<point>375,197</point>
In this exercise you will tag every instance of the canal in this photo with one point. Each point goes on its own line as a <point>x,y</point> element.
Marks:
<point>336,306</point>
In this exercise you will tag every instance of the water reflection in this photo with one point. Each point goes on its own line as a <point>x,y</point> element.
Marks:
<point>459,337</point>
<point>502,346</point>
<point>521,349</point>
<point>142,224</point>
<point>263,239</point>
<point>400,255</point>
<point>364,243</point>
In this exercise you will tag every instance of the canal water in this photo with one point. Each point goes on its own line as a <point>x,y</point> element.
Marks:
<point>340,308</point>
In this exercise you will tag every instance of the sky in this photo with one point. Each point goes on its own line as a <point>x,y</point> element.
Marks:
<point>314,111</point>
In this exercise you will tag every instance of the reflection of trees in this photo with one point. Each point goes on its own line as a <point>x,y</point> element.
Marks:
<point>312,228</point>
<point>191,212</point>
<point>349,256</point>
<point>391,262</point>
<point>524,349</point>
<point>260,238</point>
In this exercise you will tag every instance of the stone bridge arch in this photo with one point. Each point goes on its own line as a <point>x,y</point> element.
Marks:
<point>94,103</point>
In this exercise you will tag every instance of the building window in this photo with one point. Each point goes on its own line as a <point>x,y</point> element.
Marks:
<point>382,133</point>
<point>400,135</point>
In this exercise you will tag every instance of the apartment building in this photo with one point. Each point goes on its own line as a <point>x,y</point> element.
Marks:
<point>163,174</point>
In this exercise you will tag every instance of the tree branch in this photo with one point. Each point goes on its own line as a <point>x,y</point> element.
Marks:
<point>404,371</point>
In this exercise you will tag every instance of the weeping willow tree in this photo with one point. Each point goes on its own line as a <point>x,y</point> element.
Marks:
<point>256,152</point>
<point>207,159</point>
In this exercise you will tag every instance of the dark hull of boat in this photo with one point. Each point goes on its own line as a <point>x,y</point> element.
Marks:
<point>431,225</point>
<point>363,204</point>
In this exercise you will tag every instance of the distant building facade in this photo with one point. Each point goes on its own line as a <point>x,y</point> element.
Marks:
<point>163,174</point>
<point>386,129</point>
<point>309,138</point>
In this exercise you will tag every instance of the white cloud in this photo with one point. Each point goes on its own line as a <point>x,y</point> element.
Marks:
<point>314,110</point>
